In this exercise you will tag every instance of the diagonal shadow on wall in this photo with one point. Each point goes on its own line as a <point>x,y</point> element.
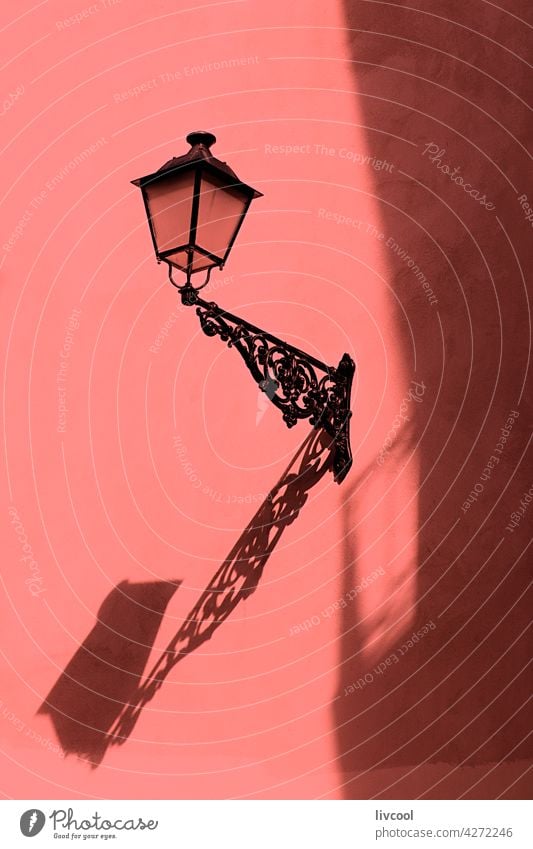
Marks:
<point>240,573</point>
<point>106,669</point>
<point>98,699</point>
<point>459,699</point>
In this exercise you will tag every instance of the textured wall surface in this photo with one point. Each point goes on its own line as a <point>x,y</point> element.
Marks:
<point>443,89</point>
<point>167,630</point>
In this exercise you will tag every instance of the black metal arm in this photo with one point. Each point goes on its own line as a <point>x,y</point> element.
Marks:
<point>288,376</point>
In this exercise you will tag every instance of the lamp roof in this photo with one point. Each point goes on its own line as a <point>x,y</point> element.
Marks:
<point>200,141</point>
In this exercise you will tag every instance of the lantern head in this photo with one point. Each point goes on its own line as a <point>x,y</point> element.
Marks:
<point>195,206</point>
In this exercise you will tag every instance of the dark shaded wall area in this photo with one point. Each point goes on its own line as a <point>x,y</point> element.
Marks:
<point>443,89</point>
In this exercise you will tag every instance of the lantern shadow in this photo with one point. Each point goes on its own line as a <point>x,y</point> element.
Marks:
<point>240,573</point>
<point>106,669</point>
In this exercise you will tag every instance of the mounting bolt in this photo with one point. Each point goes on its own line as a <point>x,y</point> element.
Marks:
<point>189,296</point>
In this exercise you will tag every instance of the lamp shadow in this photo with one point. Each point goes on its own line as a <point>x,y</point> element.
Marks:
<point>239,575</point>
<point>106,669</point>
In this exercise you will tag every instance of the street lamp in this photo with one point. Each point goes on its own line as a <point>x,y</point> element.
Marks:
<point>195,206</point>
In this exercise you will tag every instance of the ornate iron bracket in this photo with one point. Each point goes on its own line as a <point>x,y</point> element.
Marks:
<point>288,376</point>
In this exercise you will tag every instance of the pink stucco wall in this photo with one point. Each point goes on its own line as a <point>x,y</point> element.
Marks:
<point>138,451</point>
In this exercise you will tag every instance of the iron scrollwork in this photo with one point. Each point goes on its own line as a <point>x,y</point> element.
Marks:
<point>289,377</point>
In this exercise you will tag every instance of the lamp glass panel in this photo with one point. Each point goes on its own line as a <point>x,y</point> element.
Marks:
<point>170,205</point>
<point>219,215</point>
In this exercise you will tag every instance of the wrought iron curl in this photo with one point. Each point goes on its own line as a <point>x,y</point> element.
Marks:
<point>290,377</point>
